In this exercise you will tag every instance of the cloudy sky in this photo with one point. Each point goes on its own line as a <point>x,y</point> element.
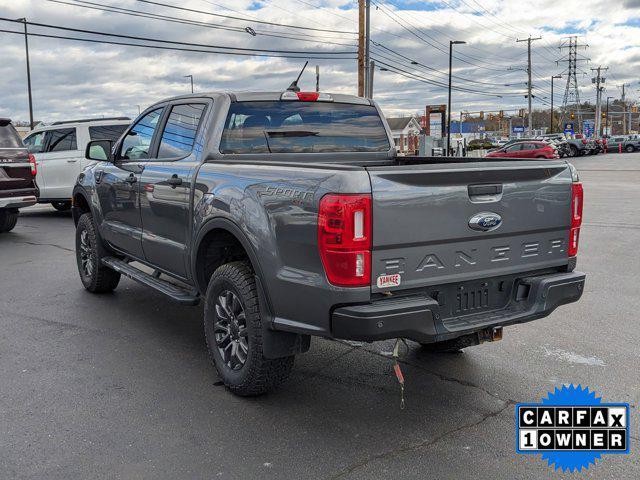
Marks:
<point>73,79</point>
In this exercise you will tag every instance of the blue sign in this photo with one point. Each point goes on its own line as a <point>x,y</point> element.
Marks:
<point>572,428</point>
<point>568,128</point>
<point>517,129</point>
<point>588,127</point>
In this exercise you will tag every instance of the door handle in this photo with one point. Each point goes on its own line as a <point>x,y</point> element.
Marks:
<point>475,190</point>
<point>72,161</point>
<point>174,181</point>
<point>131,179</point>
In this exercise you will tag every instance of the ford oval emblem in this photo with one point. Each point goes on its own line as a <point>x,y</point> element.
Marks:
<point>485,221</point>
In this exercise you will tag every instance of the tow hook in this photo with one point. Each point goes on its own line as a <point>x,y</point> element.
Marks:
<point>490,334</point>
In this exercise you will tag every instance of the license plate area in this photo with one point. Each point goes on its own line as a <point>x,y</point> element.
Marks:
<point>469,298</point>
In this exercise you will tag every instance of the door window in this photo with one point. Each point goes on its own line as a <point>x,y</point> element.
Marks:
<point>180,130</point>
<point>61,140</point>
<point>137,141</point>
<point>514,148</point>
<point>35,142</point>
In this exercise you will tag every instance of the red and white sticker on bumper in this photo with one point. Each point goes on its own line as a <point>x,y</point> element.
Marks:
<point>388,281</point>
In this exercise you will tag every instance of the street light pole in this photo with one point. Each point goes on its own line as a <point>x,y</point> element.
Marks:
<point>552,78</point>
<point>606,120</point>
<point>191,78</point>
<point>451,44</point>
<point>26,49</point>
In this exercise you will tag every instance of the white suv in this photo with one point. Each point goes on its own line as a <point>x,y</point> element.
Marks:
<point>59,150</point>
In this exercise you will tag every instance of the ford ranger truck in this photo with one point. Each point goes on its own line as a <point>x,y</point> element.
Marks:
<point>289,215</point>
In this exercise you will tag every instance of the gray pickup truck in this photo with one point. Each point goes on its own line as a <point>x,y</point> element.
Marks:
<point>290,215</point>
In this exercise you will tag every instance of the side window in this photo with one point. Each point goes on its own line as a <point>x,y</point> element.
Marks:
<point>180,131</point>
<point>106,132</point>
<point>35,142</point>
<point>61,140</point>
<point>514,148</point>
<point>137,141</point>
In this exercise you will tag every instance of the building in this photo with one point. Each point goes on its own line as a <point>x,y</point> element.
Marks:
<point>406,132</point>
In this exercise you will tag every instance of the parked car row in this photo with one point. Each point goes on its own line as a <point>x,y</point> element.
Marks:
<point>59,154</point>
<point>44,167</point>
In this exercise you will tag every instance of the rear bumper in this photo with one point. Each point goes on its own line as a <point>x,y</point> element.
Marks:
<point>18,202</point>
<point>418,317</point>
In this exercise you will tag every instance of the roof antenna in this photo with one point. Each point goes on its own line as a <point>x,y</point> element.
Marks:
<point>294,85</point>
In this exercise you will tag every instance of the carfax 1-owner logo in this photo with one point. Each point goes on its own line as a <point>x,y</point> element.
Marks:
<point>572,428</point>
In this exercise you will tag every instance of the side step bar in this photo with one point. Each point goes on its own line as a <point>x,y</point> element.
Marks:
<point>175,293</point>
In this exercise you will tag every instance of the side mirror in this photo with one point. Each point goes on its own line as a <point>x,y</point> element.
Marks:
<point>99,150</point>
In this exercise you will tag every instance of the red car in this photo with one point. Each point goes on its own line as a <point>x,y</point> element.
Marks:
<point>525,149</point>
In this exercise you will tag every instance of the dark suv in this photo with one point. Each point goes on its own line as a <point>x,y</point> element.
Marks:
<point>17,176</point>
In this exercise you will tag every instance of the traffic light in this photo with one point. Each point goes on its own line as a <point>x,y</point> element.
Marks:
<point>501,114</point>
<point>572,116</point>
<point>634,109</point>
<point>481,115</point>
<point>604,114</point>
<point>521,113</point>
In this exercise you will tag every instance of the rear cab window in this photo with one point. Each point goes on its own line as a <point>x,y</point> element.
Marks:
<point>302,127</point>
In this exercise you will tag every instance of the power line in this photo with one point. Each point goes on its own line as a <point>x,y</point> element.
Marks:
<point>182,20</point>
<point>391,14</point>
<point>440,72</point>
<point>161,47</point>
<point>174,42</point>
<point>263,22</point>
<point>437,83</point>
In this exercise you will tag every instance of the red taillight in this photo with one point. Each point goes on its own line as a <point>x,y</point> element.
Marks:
<point>577,197</point>
<point>34,167</point>
<point>308,96</point>
<point>344,239</point>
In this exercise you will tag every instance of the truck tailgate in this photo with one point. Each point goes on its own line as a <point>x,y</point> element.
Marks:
<point>444,223</point>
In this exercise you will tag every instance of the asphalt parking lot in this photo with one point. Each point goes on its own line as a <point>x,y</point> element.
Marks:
<point>120,385</point>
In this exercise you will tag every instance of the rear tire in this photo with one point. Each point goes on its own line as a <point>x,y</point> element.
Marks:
<point>61,206</point>
<point>8,219</point>
<point>630,149</point>
<point>95,276</point>
<point>573,151</point>
<point>453,345</point>
<point>233,329</point>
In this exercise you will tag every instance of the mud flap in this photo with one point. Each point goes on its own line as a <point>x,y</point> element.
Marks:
<point>277,344</point>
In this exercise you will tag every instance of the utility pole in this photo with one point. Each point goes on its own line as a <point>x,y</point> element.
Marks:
<point>451,44</point>
<point>26,50</point>
<point>606,120</point>
<point>529,40</point>
<point>372,68</point>
<point>367,43</point>
<point>624,109</point>
<point>361,68</point>
<point>553,77</point>
<point>317,78</point>
<point>598,80</point>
